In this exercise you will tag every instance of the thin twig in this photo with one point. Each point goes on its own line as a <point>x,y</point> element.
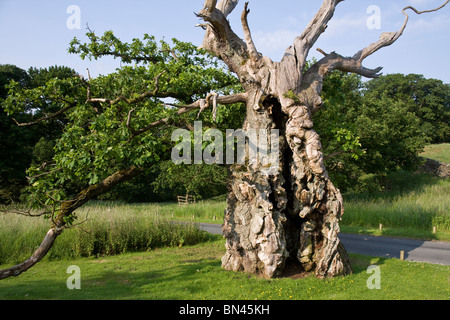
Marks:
<point>44,174</point>
<point>47,117</point>
<point>79,223</point>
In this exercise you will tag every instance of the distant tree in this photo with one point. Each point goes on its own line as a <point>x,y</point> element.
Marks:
<point>335,123</point>
<point>10,72</point>
<point>366,133</point>
<point>15,143</point>
<point>428,99</point>
<point>198,180</point>
<point>21,145</point>
<point>40,76</point>
<point>49,131</point>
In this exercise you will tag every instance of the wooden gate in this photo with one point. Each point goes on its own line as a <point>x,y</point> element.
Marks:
<point>185,200</point>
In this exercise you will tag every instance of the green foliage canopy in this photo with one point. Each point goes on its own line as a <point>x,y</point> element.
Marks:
<point>365,132</point>
<point>428,99</point>
<point>110,119</point>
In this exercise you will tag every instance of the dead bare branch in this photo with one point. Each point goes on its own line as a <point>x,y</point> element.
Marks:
<point>227,6</point>
<point>23,212</point>
<point>229,99</point>
<point>148,94</point>
<point>298,53</point>
<point>44,174</point>
<point>210,5</point>
<point>333,61</point>
<point>251,48</point>
<point>129,121</point>
<point>219,36</point>
<point>76,225</point>
<point>172,52</point>
<point>388,38</point>
<point>332,155</point>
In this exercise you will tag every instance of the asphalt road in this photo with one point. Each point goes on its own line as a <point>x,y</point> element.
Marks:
<point>414,250</point>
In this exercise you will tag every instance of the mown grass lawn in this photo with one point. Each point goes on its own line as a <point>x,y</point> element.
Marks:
<point>195,273</point>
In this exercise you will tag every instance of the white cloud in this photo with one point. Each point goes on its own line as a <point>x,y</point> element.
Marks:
<point>273,44</point>
<point>346,25</point>
<point>428,24</point>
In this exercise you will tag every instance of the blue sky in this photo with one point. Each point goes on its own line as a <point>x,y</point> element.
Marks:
<point>35,34</point>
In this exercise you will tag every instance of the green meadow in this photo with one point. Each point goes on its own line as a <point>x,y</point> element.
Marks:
<point>133,251</point>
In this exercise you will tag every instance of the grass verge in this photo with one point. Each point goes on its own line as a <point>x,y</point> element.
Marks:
<point>194,272</point>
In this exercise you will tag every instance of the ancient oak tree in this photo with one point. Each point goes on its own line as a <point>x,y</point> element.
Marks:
<point>289,215</point>
<point>295,213</point>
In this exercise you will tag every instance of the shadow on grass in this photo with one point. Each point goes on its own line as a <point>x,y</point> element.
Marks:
<point>179,276</point>
<point>360,263</point>
<point>397,184</point>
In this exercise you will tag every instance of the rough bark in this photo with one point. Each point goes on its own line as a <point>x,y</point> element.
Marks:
<point>292,214</point>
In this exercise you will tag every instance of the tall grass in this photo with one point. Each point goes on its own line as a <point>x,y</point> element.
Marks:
<point>108,230</point>
<point>19,234</point>
<point>415,201</point>
<point>412,200</point>
<point>203,211</point>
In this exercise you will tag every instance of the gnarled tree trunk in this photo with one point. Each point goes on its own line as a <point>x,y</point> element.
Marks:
<point>291,213</point>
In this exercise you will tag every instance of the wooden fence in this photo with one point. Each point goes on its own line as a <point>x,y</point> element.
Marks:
<point>185,200</point>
